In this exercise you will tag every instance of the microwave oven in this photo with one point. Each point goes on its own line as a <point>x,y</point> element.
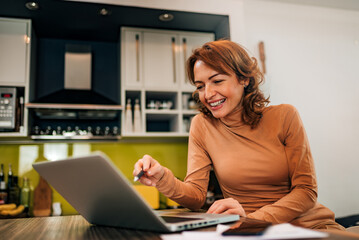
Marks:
<point>11,109</point>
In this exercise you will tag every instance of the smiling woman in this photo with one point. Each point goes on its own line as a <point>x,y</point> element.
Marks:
<point>226,63</point>
<point>260,155</point>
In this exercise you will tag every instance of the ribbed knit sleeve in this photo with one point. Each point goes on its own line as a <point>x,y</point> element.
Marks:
<point>192,192</point>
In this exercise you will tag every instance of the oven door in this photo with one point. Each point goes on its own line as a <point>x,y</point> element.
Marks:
<point>10,109</point>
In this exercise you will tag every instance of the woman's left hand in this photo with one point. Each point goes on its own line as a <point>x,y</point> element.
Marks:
<point>227,206</point>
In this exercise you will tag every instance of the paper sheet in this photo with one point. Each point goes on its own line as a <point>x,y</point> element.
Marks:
<point>279,231</point>
<point>288,231</point>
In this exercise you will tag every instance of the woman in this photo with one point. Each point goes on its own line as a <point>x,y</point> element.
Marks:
<point>260,154</point>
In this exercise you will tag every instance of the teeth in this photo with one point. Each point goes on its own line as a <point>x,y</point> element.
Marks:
<point>217,103</point>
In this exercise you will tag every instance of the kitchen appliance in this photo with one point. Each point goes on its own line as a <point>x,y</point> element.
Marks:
<point>11,109</point>
<point>74,121</point>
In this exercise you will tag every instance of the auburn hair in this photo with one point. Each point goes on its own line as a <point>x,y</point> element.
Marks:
<point>227,57</point>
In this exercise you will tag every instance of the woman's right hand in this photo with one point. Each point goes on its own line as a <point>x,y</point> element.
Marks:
<point>153,171</point>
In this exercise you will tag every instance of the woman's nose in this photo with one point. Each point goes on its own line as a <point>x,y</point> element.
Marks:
<point>209,92</point>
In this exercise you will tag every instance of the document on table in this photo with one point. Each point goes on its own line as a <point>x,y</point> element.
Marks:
<point>279,231</point>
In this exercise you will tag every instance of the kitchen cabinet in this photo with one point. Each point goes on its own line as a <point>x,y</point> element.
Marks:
<point>153,74</point>
<point>15,39</point>
<point>160,70</point>
<point>131,57</point>
<point>14,48</point>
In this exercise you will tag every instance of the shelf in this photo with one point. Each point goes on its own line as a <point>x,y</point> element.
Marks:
<point>58,137</point>
<point>73,106</point>
<point>13,134</point>
<point>156,134</point>
<point>161,111</point>
<point>190,112</point>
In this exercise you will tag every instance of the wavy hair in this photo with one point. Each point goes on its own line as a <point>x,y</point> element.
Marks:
<point>227,57</point>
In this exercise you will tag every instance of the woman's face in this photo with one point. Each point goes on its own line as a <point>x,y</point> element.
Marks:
<point>220,93</point>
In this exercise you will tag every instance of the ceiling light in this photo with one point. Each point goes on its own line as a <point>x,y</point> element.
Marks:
<point>104,12</point>
<point>32,5</point>
<point>166,17</point>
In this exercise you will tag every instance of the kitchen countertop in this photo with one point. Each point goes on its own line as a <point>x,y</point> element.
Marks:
<point>76,227</point>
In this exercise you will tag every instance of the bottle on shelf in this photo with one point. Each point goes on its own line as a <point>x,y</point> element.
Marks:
<point>25,193</point>
<point>3,193</point>
<point>14,191</point>
<point>9,179</point>
<point>42,199</point>
<point>137,117</point>
<point>128,117</point>
<point>41,196</point>
<point>2,174</point>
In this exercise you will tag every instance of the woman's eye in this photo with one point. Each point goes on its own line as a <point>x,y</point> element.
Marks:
<point>199,87</point>
<point>218,81</point>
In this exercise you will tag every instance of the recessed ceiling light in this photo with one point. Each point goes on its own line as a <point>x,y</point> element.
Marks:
<point>104,12</point>
<point>32,5</point>
<point>166,17</point>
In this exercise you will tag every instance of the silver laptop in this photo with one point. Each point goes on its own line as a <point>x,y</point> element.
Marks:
<point>103,196</point>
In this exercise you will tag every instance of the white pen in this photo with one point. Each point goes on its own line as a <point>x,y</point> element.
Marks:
<point>138,176</point>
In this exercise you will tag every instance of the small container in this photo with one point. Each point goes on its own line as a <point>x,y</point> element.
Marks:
<point>185,98</point>
<point>166,105</point>
<point>152,105</point>
<point>56,209</point>
<point>128,117</point>
<point>137,117</point>
<point>192,104</point>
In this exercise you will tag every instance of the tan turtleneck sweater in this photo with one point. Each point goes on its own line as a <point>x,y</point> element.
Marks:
<point>269,170</point>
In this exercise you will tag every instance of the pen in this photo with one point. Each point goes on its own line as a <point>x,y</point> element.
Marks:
<point>138,176</point>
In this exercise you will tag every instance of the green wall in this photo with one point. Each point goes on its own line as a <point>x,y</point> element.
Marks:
<point>124,155</point>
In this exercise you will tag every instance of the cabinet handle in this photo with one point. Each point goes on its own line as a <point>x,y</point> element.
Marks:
<point>184,41</point>
<point>137,58</point>
<point>174,58</point>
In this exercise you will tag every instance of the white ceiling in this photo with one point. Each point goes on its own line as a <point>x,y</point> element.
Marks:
<point>342,4</point>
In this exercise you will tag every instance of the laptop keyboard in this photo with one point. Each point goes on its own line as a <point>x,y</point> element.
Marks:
<point>170,219</point>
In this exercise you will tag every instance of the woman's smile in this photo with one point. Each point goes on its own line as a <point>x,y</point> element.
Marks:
<point>217,104</point>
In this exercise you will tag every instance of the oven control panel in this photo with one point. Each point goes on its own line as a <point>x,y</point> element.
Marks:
<point>7,107</point>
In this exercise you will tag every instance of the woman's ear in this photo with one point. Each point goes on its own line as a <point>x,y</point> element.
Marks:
<point>244,81</point>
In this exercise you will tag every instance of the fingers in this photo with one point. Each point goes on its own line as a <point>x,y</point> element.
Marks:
<point>227,206</point>
<point>137,168</point>
<point>146,181</point>
<point>147,162</point>
<point>216,208</point>
<point>143,164</point>
<point>153,171</point>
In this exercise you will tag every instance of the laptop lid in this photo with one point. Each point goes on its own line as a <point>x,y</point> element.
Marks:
<point>96,188</point>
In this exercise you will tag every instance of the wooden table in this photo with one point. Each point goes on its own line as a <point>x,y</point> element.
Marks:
<point>76,227</point>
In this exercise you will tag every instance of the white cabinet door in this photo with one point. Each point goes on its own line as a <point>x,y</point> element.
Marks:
<point>160,61</point>
<point>187,44</point>
<point>132,58</point>
<point>14,41</point>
